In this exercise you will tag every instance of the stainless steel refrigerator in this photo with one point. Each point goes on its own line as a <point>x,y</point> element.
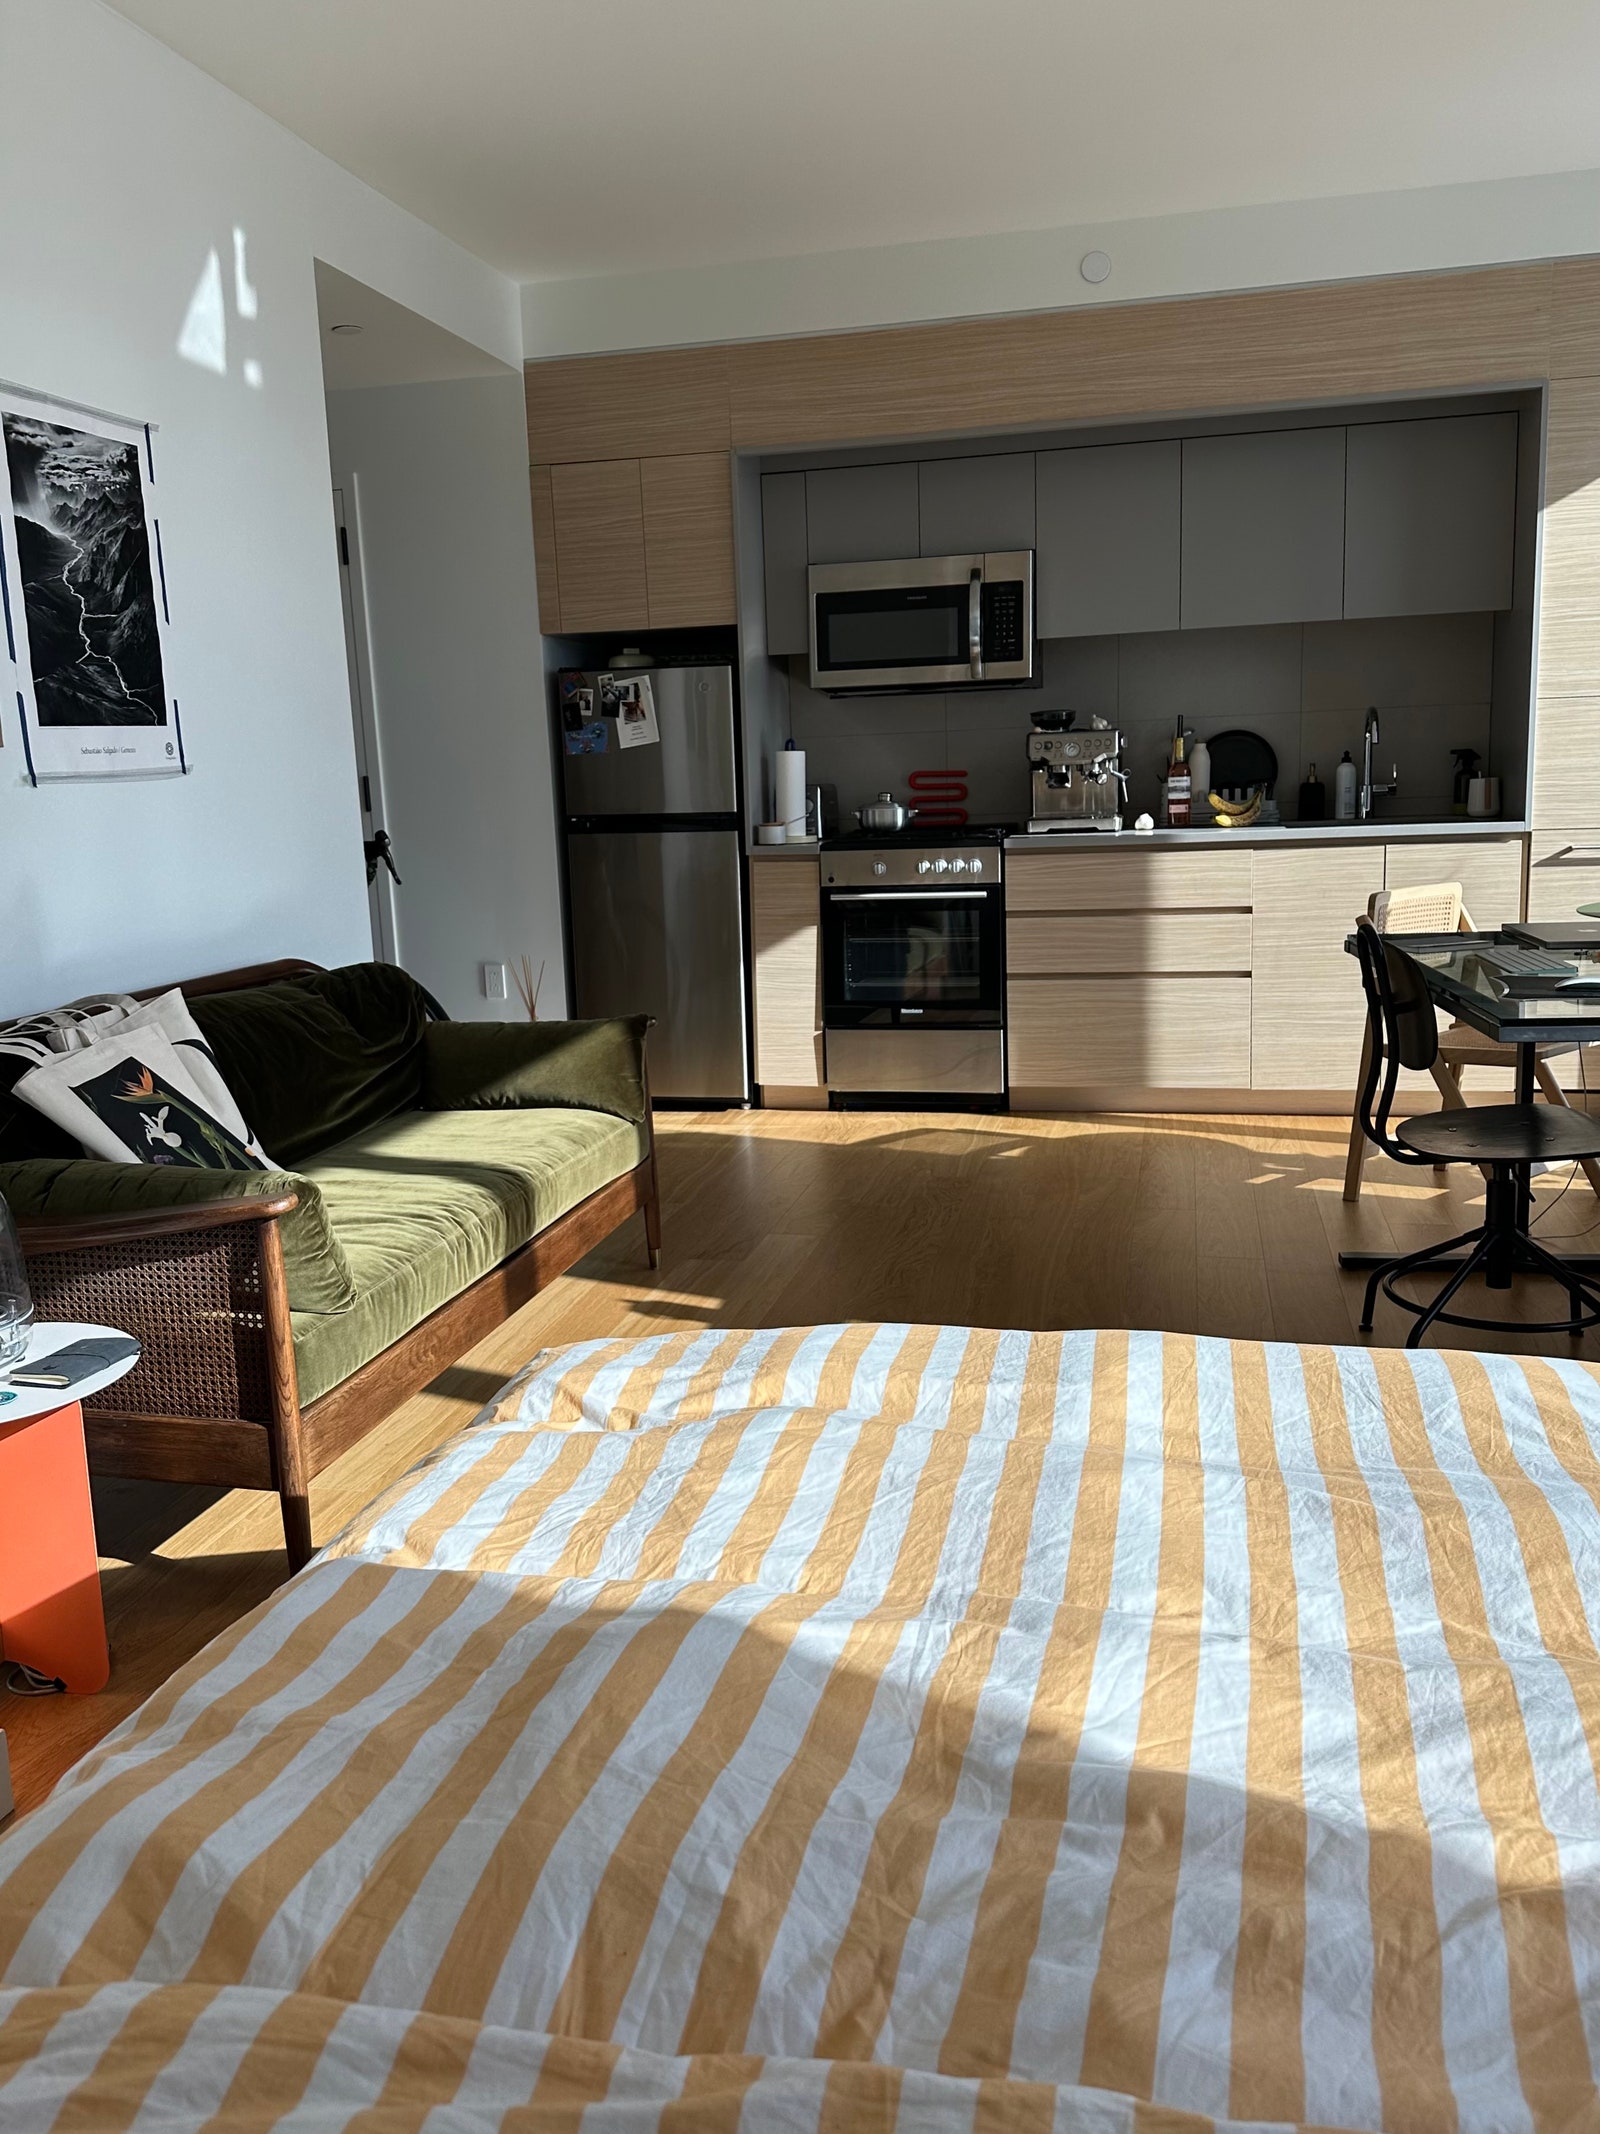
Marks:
<point>655,875</point>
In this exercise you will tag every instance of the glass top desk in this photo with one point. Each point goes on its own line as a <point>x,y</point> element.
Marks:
<point>1513,992</point>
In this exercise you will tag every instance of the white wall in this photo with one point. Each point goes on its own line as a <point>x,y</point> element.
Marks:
<point>123,168</point>
<point>446,543</point>
<point>1277,245</point>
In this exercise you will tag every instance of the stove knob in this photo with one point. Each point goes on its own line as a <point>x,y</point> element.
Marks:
<point>958,866</point>
<point>880,866</point>
<point>941,866</point>
<point>924,866</point>
<point>975,867</point>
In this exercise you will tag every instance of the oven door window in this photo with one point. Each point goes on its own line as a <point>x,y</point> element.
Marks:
<point>920,626</point>
<point>921,953</point>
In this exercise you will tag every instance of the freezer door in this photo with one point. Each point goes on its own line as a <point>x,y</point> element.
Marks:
<point>656,931</point>
<point>689,771</point>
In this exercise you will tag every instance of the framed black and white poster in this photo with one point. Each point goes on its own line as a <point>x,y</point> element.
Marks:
<point>83,587</point>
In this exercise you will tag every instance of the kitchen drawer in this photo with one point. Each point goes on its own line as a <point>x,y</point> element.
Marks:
<point>1164,878</point>
<point>1149,1032</point>
<point>1563,872</point>
<point>1183,943</point>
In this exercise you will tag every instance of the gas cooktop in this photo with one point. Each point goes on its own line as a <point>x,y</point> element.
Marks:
<point>967,833</point>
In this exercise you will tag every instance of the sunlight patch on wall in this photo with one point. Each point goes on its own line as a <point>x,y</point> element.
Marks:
<point>204,337</point>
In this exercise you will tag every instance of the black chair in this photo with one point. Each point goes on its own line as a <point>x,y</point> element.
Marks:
<point>1501,1138</point>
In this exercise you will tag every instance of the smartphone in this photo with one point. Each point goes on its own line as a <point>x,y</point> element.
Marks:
<point>78,1360</point>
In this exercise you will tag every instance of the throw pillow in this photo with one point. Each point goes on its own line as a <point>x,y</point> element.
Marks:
<point>132,1097</point>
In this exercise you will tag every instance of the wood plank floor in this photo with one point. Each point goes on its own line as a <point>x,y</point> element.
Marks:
<point>1199,1224</point>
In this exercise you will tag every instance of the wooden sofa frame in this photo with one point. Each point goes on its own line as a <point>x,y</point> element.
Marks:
<point>214,1399</point>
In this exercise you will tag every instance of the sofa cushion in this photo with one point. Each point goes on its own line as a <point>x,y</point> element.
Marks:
<point>425,1203</point>
<point>316,1058</point>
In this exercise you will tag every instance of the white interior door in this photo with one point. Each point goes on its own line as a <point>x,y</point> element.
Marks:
<point>382,874</point>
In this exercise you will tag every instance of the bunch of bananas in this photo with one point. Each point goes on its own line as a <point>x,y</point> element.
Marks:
<point>1235,814</point>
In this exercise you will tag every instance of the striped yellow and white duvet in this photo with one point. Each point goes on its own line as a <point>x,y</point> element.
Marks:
<point>874,1727</point>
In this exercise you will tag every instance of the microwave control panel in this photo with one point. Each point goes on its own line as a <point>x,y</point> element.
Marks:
<point>1003,620</point>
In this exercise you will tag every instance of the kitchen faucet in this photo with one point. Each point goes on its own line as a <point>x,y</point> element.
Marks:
<point>1369,791</point>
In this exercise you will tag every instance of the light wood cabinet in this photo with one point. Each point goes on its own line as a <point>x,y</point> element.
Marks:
<point>1160,878</point>
<point>1109,519</point>
<point>784,951</point>
<point>688,540</point>
<point>1489,870</point>
<point>1306,1007</point>
<point>641,544</point>
<point>1563,872</point>
<point>544,552</point>
<point>1566,762</point>
<point>1430,515</point>
<point>598,512</point>
<point>1569,567</point>
<point>629,406</point>
<point>783,562</point>
<point>1136,1031</point>
<point>1263,528</point>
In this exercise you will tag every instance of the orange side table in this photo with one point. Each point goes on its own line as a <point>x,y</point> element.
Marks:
<point>50,1614</point>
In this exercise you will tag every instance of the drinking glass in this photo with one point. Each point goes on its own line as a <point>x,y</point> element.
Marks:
<point>16,1303</point>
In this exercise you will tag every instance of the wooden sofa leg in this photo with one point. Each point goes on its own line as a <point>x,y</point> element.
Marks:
<point>285,1430</point>
<point>652,1225</point>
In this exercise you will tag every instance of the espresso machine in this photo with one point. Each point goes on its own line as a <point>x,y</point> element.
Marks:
<point>1077,775</point>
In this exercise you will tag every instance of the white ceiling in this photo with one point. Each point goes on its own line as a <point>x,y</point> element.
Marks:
<point>394,346</point>
<point>574,137</point>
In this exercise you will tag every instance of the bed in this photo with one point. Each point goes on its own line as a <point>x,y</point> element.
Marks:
<point>873,1727</point>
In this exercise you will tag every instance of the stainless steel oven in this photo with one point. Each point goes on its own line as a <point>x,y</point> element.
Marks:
<point>913,969</point>
<point>932,622</point>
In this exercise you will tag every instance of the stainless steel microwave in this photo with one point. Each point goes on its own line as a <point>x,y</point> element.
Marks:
<point>932,622</point>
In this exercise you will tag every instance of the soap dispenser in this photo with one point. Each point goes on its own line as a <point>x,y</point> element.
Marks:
<point>1344,790</point>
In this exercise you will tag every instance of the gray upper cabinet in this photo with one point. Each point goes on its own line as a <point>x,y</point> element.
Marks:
<point>862,514</point>
<point>1430,515</point>
<point>972,506</point>
<point>1109,519</point>
<point>783,547</point>
<point>1263,528</point>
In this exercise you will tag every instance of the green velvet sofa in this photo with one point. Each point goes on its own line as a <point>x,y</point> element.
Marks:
<point>433,1176</point>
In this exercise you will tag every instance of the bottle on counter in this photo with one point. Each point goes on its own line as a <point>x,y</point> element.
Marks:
<point>1344,790</point>
<point>1313,798</point>
<point>1199,783</point>
<point>1466,769</point>
<point>1179,785</point>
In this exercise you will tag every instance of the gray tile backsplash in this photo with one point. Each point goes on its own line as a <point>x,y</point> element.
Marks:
<point>1304,688</point>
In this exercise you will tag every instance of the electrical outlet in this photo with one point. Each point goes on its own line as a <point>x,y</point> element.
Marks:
<point>494,981</point>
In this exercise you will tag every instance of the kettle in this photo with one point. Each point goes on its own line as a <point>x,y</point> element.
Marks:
<point>884,813</point>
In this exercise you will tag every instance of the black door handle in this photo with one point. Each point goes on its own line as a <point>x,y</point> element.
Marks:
<point>379,850</point>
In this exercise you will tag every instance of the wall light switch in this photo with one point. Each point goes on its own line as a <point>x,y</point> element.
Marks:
<point>494,981</point>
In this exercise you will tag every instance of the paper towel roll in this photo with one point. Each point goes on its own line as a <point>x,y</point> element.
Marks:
<point>789,802</point>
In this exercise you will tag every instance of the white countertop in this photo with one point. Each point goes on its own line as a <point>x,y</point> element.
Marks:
<point>1291,833</point>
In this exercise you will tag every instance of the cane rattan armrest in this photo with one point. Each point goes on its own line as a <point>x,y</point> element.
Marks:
<point>75,1233</point>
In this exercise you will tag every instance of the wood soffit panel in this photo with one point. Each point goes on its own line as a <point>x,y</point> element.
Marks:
<point>1413,333</point>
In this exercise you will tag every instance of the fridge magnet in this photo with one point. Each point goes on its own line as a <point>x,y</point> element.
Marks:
<point>83,593</point>
<point>587,739</point>
<point>636,714</point>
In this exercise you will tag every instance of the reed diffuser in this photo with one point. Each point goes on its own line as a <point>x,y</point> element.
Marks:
<point>527,985</point>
